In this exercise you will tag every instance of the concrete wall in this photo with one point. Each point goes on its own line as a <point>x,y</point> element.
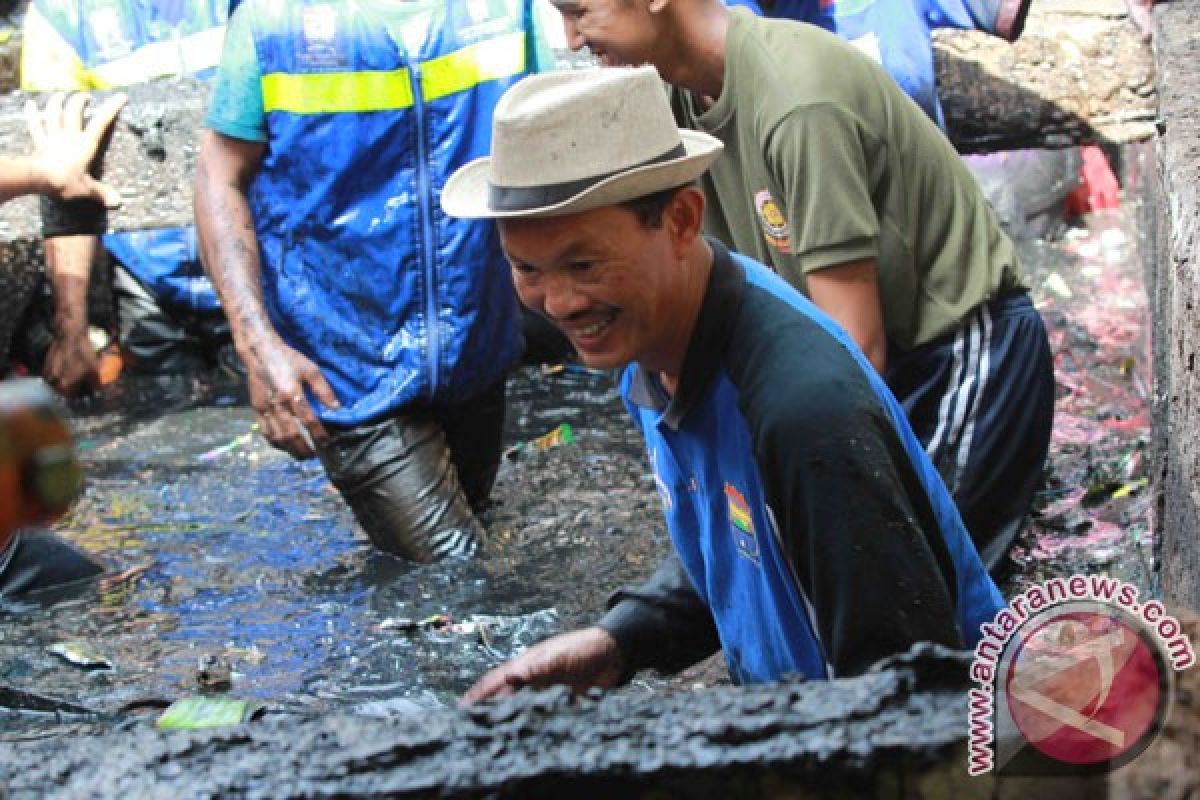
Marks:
<point>1176,278</point>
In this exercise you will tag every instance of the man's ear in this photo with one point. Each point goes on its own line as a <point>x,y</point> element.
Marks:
<point>684,218</point>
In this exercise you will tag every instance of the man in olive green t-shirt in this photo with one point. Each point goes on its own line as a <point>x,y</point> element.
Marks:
<point>834,177</point>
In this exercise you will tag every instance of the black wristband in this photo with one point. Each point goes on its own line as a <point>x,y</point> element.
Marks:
<point>72,217</point>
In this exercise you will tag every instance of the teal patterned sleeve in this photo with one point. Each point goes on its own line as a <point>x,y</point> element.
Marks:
<point>236,106</point>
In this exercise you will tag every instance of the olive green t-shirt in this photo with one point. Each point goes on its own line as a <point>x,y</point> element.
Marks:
<point>827,161</point>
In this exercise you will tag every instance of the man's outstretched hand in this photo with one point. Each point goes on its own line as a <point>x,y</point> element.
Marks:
<point>64,147</point>
<point>580,659</point>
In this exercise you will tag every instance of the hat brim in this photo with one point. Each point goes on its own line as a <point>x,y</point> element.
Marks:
<point>466,192</point>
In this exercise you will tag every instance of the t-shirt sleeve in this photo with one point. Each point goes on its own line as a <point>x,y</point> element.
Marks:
<point>236,106</point>
<point>662,624</point>
<point>49,62</point>
<point>852,515</point>
<point>817,156</point>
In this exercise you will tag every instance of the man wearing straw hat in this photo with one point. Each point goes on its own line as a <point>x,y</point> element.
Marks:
<point>835,179</point>
<point>811,533</point>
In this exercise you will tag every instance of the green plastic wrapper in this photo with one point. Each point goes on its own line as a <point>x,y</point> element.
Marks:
<point>193,713</point>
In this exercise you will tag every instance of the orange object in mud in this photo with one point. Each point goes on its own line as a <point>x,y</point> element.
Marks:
<point>39,475</point>
<point>111,362</point>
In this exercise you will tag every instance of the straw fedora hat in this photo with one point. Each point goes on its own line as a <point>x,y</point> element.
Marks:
<point>564,142</point>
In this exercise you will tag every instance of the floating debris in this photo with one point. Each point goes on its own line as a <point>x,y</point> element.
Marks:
<point>21,700</point>
<point>503,636</point>
<point>563,434</point>
<point>1055,283</point>
<point>229,447</point>
<point>80,654</point>
<point>213,673</point>
<point>194,713</point>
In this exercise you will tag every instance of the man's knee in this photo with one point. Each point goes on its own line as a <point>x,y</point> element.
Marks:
<point>399,480</point>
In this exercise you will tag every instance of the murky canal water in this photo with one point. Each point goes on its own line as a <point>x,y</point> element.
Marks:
<point>232,550</point>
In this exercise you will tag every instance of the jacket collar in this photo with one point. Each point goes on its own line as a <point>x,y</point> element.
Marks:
<point>706,349</point>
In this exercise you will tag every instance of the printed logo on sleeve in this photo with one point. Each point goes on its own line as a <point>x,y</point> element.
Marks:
<point>742,523</point>
<point>774,223</point>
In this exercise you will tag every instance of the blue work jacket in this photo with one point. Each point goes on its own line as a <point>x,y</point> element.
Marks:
<point>397,303</point>
<point>105,44</point>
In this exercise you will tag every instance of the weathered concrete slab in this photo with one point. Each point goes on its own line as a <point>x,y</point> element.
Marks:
<point>893,733</point>
<point>1079,74</point>
<point>1177,294</point>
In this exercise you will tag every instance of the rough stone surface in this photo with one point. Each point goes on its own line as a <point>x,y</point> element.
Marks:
<point>1176,295</point>
<point>1079,73</point>
<point>894,732</point>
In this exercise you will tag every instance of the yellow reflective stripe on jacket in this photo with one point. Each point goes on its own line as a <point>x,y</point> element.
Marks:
<point>170,57</point>
<point>334,92</point>
<point>464,69</point>
<point>48,62</point>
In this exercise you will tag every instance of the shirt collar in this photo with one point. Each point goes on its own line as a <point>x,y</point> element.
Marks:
<point>706,347</point>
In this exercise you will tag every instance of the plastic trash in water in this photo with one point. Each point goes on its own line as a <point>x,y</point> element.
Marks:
<point>561,435</point>
<point>230,446</point>
<point>193,713</point>
<point>501,636</point>
<point>80,654</point>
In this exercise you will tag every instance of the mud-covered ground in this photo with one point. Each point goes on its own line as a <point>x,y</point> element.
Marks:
<point>225,551</point>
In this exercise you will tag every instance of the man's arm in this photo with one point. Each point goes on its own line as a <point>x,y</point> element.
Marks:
<point>63,151</point>
<point>662,624</point>
<point>850,294</point>
<point>817,158</point>
<point>866,548</point>
<point>277,374</point>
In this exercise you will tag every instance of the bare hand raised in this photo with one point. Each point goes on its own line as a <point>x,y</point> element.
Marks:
<point>64,147</point>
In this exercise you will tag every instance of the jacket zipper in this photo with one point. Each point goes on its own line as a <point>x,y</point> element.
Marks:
<point>428,250</point>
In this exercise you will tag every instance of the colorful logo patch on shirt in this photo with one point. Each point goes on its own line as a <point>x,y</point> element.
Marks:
<point>774,223</point>
<point>108,34</point>
<point>742,523</point>
<point>318,46</point>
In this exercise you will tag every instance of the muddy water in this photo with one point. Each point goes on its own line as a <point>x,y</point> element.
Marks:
<point>251,557</point>
<point>230,550</point>
<point>1094,514</point>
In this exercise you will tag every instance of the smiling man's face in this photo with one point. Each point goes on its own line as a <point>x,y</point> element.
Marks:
<point>618,32</point>
<point>610,283</point>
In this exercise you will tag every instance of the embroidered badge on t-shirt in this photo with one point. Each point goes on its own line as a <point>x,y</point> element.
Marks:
<point>318,45</point>
<point>742,524</point>
<point>774,223</point>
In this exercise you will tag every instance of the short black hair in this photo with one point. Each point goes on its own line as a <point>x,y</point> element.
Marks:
<point>649,208</point>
